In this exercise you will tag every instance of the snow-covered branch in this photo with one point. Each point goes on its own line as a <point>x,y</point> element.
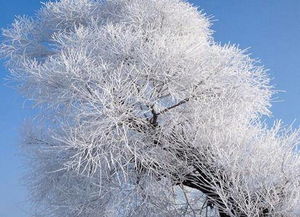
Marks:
<point>142,113</point>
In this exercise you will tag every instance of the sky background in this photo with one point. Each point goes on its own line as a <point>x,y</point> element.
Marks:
<point>269,28</point>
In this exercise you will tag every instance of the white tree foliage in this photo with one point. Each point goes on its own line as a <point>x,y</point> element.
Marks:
<point>144,114</point>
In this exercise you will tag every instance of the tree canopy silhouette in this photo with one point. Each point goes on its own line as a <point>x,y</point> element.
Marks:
<point>142,113</point>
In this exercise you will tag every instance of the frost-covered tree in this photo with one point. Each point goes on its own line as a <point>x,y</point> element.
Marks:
<point>142,113</point>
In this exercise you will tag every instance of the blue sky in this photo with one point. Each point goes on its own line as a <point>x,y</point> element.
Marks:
<point>271,29</point>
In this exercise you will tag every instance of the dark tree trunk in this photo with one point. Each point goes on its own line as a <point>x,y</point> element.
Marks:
<point>200,180</point>
<point>196,183</point>
<point>201,183</point>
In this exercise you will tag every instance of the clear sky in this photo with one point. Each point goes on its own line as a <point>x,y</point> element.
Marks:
<point>269,28</point>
